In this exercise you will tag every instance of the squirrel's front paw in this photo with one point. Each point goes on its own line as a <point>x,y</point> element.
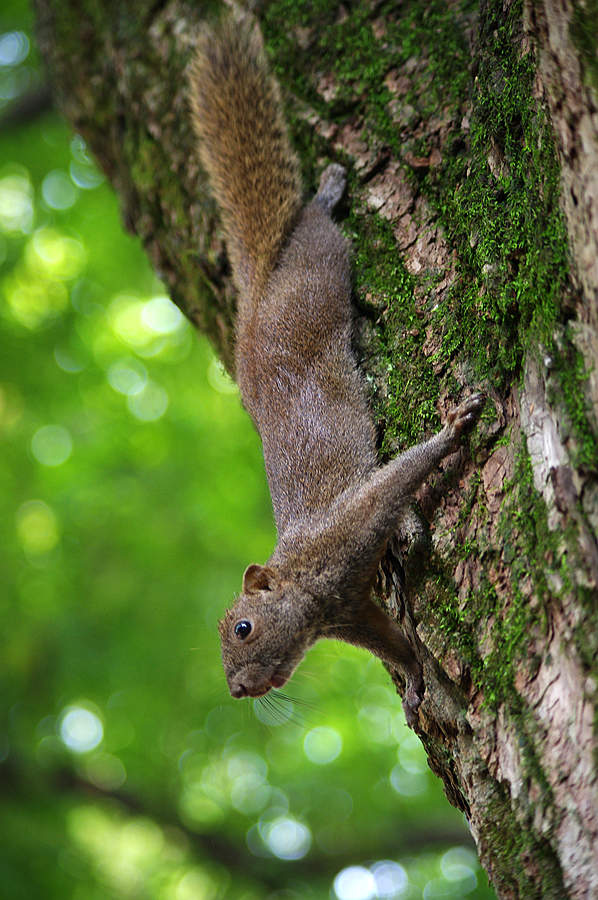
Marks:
<point>462,419</point>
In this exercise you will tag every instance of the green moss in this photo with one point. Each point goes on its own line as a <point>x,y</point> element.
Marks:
<point>410,385</point>
<point>510,848</point>
<point>529,548</point>
<point>568,390</point>
<point>505,219</point>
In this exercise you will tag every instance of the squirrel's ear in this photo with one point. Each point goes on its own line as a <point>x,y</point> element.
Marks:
<point>258,578</point>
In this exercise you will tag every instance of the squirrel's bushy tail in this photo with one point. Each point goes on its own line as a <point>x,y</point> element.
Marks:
<point>244,147</point>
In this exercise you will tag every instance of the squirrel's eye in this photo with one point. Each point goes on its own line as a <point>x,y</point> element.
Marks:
<point>243,629</point>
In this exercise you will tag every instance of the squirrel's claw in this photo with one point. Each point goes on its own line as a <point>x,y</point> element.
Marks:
<point>462,419</point>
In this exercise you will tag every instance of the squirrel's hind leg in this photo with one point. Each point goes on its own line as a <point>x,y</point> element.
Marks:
<point>332,185</point>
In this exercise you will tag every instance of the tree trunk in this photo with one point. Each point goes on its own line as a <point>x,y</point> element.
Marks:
<point>471,135</point>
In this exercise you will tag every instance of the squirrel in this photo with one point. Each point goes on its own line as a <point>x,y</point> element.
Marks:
<point>335,507</point>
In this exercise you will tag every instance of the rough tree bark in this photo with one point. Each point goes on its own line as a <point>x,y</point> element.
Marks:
<point>471,135</point>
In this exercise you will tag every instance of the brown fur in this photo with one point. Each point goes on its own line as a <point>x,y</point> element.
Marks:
<point>244,147</point>
<point>334,508</point>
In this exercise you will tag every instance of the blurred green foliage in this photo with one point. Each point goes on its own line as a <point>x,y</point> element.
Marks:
<point>133,497</point>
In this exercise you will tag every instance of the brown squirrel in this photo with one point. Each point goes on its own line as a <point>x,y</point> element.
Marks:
<point>335,508</point>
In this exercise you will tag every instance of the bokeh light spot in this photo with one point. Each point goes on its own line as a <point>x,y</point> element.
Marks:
<point>355,883</point>
<point>412,755</point>
<point>161,315</point>
<point>67,360</point>
<point>390,877</point>
<point>376,722</point>
<point>14,48</point>
<point>196,884</point>
<point>82,169</point>
<point>54,255</point>
<point>124,314</point>
<point>249,792</point>
<point>199,811</point>
<point>52,445</point>
<point>149,404</point>
<point>33,301</point>
<point>105,771</point>
<point>286,838</point>
<point>80,729</point>
<point>458,865</point>
<point>11,406</point>
<point>153,327</point>
<point>85,175</point>
<point>441,889</point>
<point>16,203</point>
<point>322,745</point>
<point>14,80</point>
<point>408,784</point>
<point>37,527</point>
<point>246,763</point>
<point>127,376</point>
<point>58,190</point>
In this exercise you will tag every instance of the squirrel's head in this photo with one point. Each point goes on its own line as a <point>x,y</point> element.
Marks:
<point>266,633</point>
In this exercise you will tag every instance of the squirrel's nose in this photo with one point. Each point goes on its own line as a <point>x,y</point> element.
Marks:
<point>238,690</point>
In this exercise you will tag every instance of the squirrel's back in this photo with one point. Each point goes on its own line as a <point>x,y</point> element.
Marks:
<point>294,362</point>
<point>244,147</point>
